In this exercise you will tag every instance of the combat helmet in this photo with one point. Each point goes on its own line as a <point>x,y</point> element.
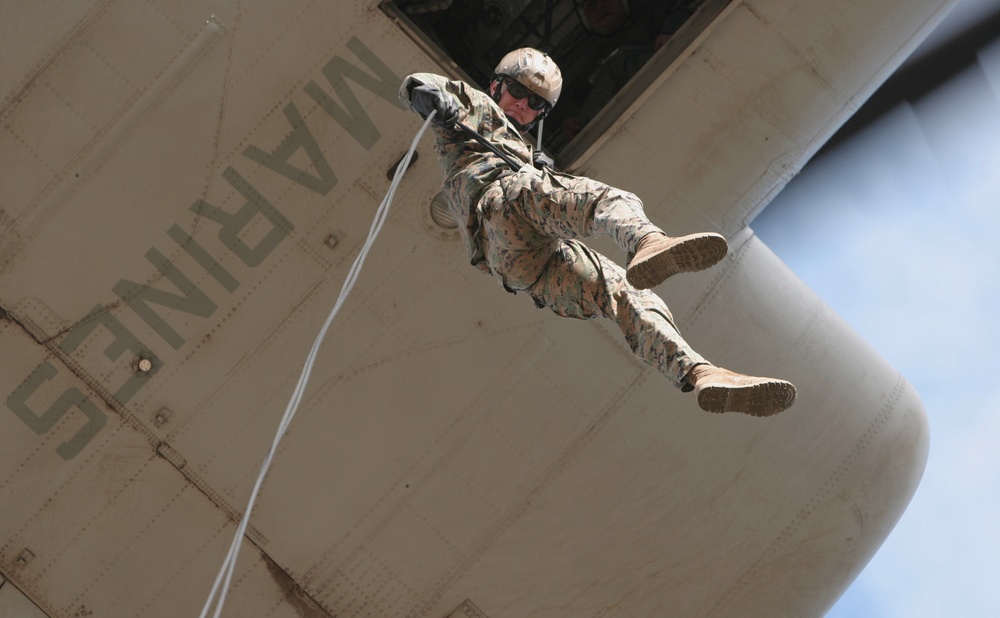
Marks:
<point>602,17</point>
<point>534,70</point>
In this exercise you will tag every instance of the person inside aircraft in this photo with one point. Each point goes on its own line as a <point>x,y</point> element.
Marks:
<point>522,226</point>
<point>638,29</point>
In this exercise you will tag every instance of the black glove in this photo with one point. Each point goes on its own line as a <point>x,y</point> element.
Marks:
<point>427,98</point>
<point>540,159</point>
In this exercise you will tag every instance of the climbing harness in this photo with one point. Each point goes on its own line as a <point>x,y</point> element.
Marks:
<point>222,581</point>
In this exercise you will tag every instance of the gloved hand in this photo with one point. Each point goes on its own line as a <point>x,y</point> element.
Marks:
<point>540,159</point>
<point>427,98</point>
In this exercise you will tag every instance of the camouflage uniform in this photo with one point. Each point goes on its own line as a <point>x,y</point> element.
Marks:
<point>521,227</point>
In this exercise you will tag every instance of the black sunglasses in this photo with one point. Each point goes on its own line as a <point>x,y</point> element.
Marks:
<point>518,91</point>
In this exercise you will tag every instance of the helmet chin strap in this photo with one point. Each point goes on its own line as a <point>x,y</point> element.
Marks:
<point>518,125</point>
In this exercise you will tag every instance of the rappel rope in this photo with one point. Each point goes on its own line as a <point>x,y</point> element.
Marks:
<point>515,165</point>
<point>223,580</point>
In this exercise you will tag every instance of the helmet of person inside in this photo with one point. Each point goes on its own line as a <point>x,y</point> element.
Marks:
<point>602,17</point>
<point>534,70</point>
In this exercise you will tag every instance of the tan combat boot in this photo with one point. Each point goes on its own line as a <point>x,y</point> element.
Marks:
<point>721,390</point>
<point>659,256</point>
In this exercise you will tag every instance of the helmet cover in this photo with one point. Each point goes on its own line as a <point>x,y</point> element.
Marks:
<point>535,71</point>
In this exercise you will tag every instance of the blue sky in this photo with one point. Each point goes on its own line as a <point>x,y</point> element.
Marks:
<point>897,229</point>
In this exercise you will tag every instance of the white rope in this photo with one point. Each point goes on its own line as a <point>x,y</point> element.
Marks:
<point>225,576</point>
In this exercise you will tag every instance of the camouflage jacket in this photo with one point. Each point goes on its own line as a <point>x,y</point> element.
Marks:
<point>468,166</point>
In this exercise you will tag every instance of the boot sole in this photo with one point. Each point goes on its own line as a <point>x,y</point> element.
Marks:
<point>694,253</point>
<point>761,399</point>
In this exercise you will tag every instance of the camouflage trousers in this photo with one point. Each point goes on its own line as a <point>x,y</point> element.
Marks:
<point>530,223</point>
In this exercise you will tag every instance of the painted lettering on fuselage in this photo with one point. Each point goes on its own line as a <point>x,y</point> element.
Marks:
<point>184,294</point>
